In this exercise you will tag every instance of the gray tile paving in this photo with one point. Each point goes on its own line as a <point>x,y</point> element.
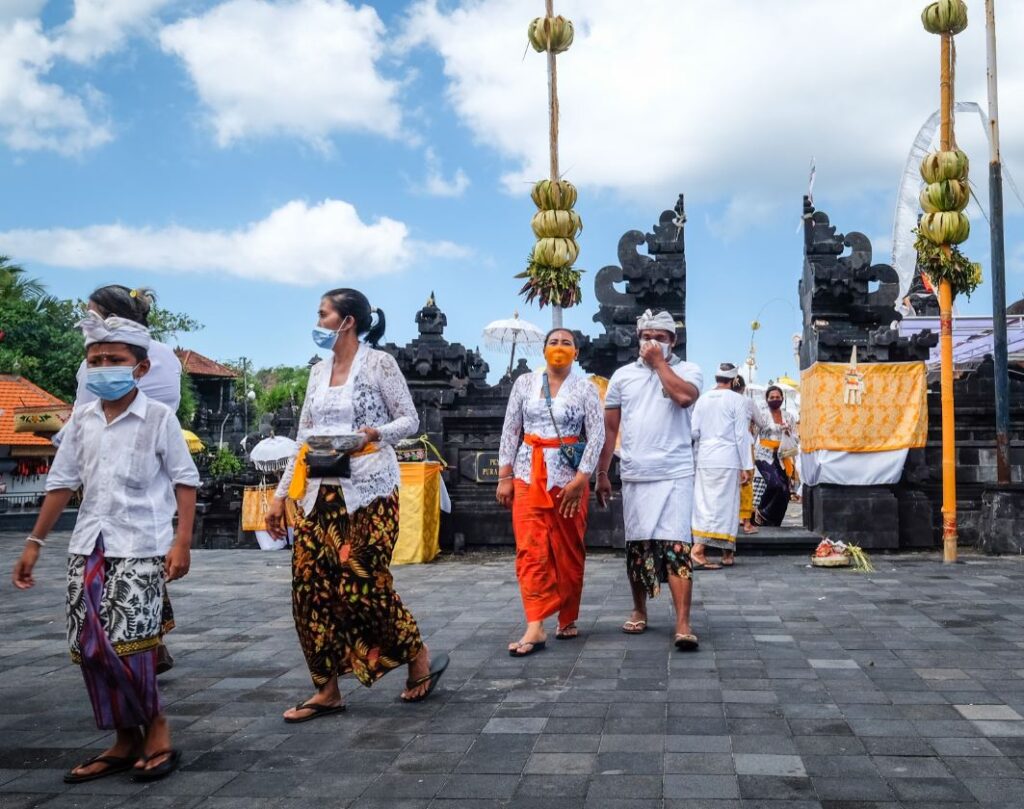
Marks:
<point>811,689</point>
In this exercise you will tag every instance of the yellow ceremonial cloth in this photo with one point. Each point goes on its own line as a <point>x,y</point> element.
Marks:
<point>892,414</point>
<point>419,513</point>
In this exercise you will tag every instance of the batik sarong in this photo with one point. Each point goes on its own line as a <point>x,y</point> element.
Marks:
<point>649,563</point>
<point>114,610</point>
<point>347,614</point>
<point>550,556</point>
<point>716,503</point>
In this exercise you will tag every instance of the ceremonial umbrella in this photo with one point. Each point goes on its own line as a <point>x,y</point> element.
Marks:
<point>513,333</point>
<point>788,381</point>
<point>272,454</point>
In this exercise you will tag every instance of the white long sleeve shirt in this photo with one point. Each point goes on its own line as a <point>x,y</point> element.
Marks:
<point>128,470</point>
<point>721,430</point>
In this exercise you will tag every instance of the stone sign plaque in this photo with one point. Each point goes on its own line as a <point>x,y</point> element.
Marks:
<point>480,467</point>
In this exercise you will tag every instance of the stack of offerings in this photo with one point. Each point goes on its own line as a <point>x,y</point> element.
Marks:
<point>947,191</point>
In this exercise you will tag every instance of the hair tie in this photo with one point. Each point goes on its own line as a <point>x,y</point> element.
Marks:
<point>374,310</point>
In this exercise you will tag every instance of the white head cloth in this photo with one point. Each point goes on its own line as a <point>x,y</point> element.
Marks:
<point>727,371</point>
<point>662,321</point>
<point>114,330</point>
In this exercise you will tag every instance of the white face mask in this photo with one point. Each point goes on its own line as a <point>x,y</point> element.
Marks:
<point>666,349</point>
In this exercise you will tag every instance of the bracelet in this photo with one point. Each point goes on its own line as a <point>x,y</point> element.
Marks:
<point>601,472</point>
<point>33,538</point>
<point>510,477</point>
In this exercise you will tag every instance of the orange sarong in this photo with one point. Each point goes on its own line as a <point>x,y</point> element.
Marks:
<point>550,554</point>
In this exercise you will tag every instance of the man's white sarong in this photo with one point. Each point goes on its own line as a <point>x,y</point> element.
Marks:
<point>658,509</point>
<point>716,507</point>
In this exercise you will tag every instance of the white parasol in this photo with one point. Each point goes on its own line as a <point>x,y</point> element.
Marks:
<point>272,454</point>
<point>512,333</point>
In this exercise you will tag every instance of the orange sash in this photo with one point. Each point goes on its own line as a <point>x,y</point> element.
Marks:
<point>787,463</point>
<point>538,496</point>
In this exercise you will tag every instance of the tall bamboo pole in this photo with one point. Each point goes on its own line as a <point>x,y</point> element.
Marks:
<point>998,275</point>
<point>949,532</point>
<point>556,310</point>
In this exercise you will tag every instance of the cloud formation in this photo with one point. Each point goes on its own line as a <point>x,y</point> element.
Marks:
<point>298,244</point>
<point>304,68</point>
<point>721,98</point>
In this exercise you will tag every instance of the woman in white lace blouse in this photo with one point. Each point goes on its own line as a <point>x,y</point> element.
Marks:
<point>547,495</point>
<point>347,614</point>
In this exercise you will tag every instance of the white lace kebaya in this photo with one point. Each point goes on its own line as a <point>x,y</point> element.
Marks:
<point>374,395</point>
<point>576,405</point>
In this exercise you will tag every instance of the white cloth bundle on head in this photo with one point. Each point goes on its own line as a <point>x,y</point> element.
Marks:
<point>114,330</point>
<point>663,321</point>
<point>727,371</point>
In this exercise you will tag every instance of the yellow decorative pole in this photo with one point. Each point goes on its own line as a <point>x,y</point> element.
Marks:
<point>549,274</point>
<point>943,226</point>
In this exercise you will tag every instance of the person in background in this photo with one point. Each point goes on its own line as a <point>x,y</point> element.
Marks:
<point>757,420</point>
<point>722,439</point>
<point>348,617</point>
<point>127,454</point>
<point>650,401</point>
<point>548,496</point>
<point>772,481</point>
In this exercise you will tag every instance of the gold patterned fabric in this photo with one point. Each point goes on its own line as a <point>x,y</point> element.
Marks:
<point>347,614</point>
<point>892,412</point>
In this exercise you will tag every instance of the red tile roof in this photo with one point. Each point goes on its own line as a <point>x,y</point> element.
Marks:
<point>16,391</point>
<point>195,364</point>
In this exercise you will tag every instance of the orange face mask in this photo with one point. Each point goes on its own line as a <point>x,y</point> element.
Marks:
<point>559,356</point>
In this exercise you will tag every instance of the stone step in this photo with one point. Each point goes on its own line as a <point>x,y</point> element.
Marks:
<point>773,540</point>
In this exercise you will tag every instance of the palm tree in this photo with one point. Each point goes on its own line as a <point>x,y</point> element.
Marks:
<point>15,285</point>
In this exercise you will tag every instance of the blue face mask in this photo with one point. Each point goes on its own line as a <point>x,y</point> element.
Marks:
<point>325,338</point>
<point>111,383</point>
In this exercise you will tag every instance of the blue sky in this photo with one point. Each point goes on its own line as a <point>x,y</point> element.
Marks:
<point>240,157</point>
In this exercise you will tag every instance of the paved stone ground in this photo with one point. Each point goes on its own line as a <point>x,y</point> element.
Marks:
<point>811,689</point>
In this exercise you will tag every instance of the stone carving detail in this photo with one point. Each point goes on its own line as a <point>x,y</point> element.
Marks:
<point>653,281</point>
<point>849,301</point>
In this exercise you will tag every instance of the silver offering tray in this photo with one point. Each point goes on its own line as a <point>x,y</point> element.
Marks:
<point>344,442</point>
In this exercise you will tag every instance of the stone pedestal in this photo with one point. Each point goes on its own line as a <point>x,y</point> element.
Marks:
<point>861,515</point>
<point>1002,519</point>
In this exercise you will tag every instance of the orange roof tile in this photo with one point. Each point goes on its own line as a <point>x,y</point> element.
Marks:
<point>16,391</point>
<point>195,364</point>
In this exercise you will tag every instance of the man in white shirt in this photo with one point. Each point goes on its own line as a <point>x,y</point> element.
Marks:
<point>650,401</point>
<point>721,435</point>
<point>128,456</point>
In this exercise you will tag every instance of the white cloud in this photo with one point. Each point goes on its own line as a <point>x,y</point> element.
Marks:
<point>306,68</point>
<point>435,184</point>
<point>297,243</point>
<point>98,27</point>
<point>34,113</point>
<point>719,98</point>
<point>20,9</point>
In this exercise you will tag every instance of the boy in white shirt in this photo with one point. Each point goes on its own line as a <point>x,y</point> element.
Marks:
<point>127,454</point>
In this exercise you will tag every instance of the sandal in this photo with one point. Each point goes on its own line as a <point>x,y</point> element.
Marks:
<point>160,770</point>
<point>437,668</point>
<point>635,627</point>
<point>115,764</point>
<point>687,643</point>
<point>567,632</point>
<point>317,709</point>
<point>705,566</point>
<point>539,646</point>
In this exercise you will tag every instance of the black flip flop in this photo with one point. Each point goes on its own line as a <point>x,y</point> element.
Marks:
<point>437,667</point>
<point>116,765</point>
<point>687,643</point>
<point>160,770</point>
<point>563,634</point>
<point>318,711</point>
<point>539,646</point>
